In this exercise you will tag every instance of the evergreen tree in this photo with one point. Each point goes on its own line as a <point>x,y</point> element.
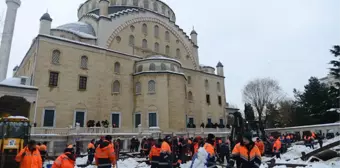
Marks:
<point>335,70</point>
<point>249,112</point>
<point>314,102</point>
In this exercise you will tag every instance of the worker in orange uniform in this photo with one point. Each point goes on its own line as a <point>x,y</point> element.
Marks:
<point>246,153</point>
<point>155,154</point>
<point>277,148</point>
<point>209,147</point>
<point>260,145</point>
<point>105,154</point>
<point>90,151</point>
<point>29,157</point>
<point>65,160</point>
<point>43,151</point>
<point>165,160</point>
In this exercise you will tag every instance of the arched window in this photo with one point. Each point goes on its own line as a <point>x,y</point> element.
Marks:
<point>124,2</point>
<point>146,4</point>
<point>145,29</point>
<point>163,66</point>
<point>155,6</point>
<point>132,40</point>
<point>206,84</point>
<point>172,67</point>
<point>156,47</point>
<point>163,10</point>
<point>140,68</point>
<point>138,88</point>
<point>135,2</point>
<point>83,62</point>
<point>156,31</point>
<point>190,95</point>
<point>55,57</point>
<point>178,53</point>
<point>167,36</point>
<point>167,50</point>
<point>132,28</point>
<point>152,67</point>
<point>152,86</point>
<point>116,87</point>
<point>117,67</point>
<point>144,43</point>
<point>189,80</point>
<point>218,86</point>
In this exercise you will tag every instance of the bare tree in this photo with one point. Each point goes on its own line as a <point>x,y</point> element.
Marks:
<point>259,93</point>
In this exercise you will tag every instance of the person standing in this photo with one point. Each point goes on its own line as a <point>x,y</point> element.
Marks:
<point>155,153</point>
<point>90,151</point>
<point>43,151</point>
<point>246,153</point>
<point>65,160</point>
<point>277,148</point>
<point>165,160</point>
<point>105,154</point>
<point>29,156</point>
<point>224,152</point>
<point>260,145</point>
<point>209,147</point>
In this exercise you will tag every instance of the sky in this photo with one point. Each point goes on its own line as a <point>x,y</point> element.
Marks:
<point>286,40</point>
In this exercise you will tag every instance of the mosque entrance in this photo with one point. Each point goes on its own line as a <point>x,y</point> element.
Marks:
<point>14,106</point>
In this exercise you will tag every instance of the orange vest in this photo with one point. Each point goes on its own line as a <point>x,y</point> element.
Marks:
<point>209,148</point>
<point>277,145</point>
<point>90,146</point>
<point>63,162</point>
<point>107,152</point>
<point>165,148</point>
<point>260,145</point>
<point>154,152</point>
<point>31,159</point>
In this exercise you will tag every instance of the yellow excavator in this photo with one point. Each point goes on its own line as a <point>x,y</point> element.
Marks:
<point>14,135</point>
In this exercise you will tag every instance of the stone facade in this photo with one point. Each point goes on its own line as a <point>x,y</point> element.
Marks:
<point>108,51</point>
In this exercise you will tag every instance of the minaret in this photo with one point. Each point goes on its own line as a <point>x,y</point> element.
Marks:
<point>45,24</point>
<point>219,67</point>
<point>193,36</point>
<point>7,36</point>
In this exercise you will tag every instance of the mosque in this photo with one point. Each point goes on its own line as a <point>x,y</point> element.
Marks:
<point>124,61</point>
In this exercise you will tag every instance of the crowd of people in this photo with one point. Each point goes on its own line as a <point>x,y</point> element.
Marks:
<point>167,152</point>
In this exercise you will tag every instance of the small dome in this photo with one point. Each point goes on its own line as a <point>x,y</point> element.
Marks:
<point>46,16</point>
<point>193,32</point>
<point>219,64</point>
<point>78,27</point>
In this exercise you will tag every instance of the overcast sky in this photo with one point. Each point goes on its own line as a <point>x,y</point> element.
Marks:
<point>288,40</point>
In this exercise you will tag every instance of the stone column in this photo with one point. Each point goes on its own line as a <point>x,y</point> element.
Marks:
<point>7,36</point>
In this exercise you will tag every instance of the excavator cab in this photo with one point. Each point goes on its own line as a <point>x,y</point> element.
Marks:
<point>14,135</point>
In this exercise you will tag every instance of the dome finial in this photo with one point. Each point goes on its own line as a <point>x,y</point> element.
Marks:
<point>219,64</point>
<point>46,16</point>
<point>193,31</point>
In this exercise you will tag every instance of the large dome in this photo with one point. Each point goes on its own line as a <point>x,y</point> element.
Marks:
<point>156,6</point>
<point>80,28</point>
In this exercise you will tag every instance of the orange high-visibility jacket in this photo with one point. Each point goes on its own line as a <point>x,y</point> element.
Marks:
<point>63,161</point>
<point>260,145</point>
<point>209,148</point>
<point>165,148</point>
<point>105,152</point>
<point>30,159</point>
<point>277,145</point>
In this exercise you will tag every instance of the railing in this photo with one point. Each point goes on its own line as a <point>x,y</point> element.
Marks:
<point>51,131</point>
<point>101,130</point>
<point>192,130</point>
